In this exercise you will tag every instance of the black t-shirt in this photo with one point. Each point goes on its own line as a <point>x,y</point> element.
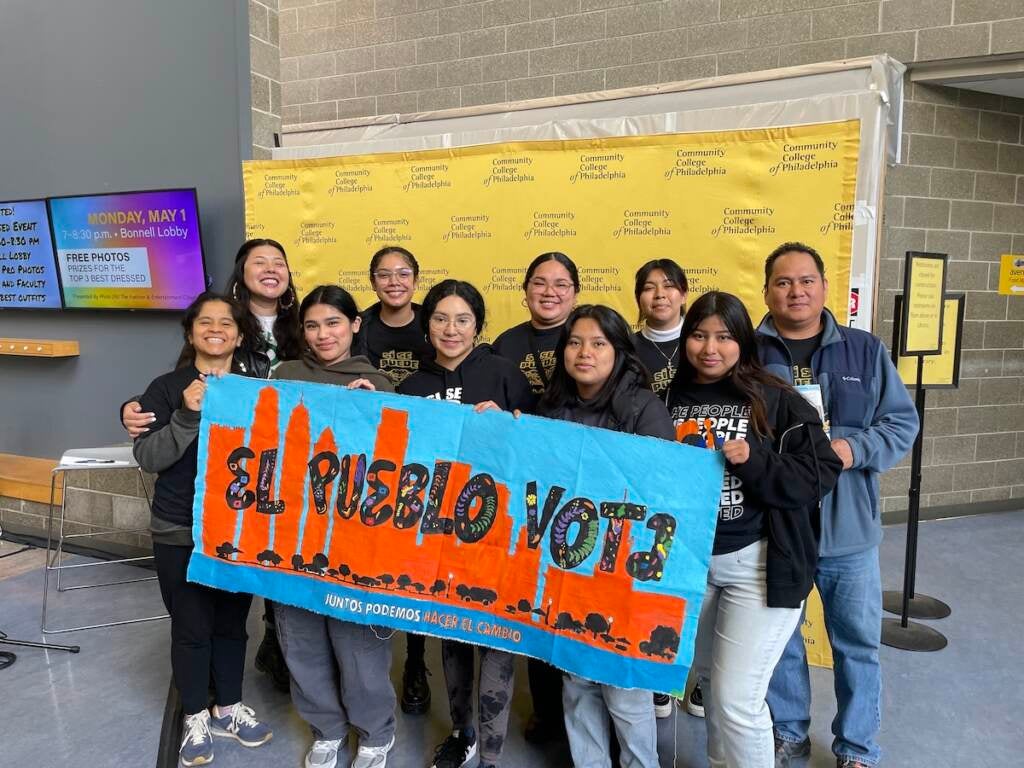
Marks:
<point>661,358</point>
<point>800,352</point>
<point>175,486</point>
<point>519,343</point>
<point>396,352</point>
<point>712,414</point>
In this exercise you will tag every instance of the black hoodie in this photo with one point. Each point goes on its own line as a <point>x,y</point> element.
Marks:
<point>634,409</point>
<point>483,375</point>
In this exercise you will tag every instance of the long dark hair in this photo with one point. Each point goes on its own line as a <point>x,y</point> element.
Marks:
<point>672,271</point>
<point>241,315</point>
<point>465,291</point>
<point>286,326</point>
<point>748,377</point>
<point>562,391</point>
<point>561,258</point>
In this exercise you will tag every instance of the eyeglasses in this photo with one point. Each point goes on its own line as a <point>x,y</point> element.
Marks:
<point>560,287</point>
<point>385,275</point>
<point>461,322</point>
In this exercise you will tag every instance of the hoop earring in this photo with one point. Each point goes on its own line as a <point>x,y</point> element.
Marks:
<point>523,302</point>
<point>234,292</point>
<point>290,304</point>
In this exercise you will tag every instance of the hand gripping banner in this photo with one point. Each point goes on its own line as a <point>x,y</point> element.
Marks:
<point>581,546</point>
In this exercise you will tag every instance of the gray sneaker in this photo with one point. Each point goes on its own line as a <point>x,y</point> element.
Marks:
<point>197,741</point>
<point>373,757</point>
<point>785,751</point>
<point>323,753</point>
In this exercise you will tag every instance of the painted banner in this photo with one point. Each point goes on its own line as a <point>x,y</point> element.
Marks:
<point>716,202</point>
<point>581,546</point>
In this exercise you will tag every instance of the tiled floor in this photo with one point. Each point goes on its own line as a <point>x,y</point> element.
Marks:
<point>103,706</point>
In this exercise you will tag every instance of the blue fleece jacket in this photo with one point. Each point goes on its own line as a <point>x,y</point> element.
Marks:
<point>869,406</point>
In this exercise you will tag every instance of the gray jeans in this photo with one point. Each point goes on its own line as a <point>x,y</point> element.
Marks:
<point>340,675</point>
<point>494,692</point>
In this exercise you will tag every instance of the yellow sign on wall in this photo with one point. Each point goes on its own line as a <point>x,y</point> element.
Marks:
<point>1011,274</point>
<point>717,203</point>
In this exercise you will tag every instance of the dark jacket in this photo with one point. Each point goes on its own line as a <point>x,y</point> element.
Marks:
<point>788,475</point>
<point>483,375</point>
<point>635,410</point>
<point>251,362</point>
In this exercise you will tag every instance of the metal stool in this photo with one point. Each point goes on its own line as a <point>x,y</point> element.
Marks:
<point>93,459</point>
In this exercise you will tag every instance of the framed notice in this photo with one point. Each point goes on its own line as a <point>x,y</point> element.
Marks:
<point>924,286</point>
<point>940,371</point>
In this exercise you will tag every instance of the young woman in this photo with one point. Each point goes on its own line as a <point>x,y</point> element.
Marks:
<point>600,381</point>
<point>208,636</point>
<point>391,336</point>
<point>262,284</point>
<point>660,293</point>
<point>778,466</point>
<point>453,316</point>
<point>551,284</point>
<point>339,669</point>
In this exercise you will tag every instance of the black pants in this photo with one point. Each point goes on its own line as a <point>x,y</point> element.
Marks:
<point>546,691</point>
<point>207,632</point>
<point>415,647</point>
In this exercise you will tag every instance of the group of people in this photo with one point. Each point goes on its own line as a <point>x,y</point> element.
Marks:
<point>799,503</point>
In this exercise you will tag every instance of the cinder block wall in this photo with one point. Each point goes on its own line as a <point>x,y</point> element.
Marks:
<point>97,502</point>
<point>265,78</point>
<point>960,190</point>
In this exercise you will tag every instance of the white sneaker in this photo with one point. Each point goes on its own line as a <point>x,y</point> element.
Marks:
<point>373,757</point>
<point>323,753</point>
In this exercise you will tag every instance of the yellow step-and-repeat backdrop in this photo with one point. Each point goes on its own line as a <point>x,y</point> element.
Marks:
<point>717,203</point>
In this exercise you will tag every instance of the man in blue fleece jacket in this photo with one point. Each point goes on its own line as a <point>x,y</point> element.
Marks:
<point>872,422</point>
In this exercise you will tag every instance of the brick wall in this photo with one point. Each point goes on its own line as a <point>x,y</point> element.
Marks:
<point>265,77</point>
<point>96,503</point>
<point>353,58</point>
<point>960,191</point>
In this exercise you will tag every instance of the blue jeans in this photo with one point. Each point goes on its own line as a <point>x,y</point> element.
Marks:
<point>587,708</point>
<point>851,593</point>
<point>739,641</point>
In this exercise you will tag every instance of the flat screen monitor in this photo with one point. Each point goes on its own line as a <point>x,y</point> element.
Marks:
<point>129,250</point>
<point>28,277</point>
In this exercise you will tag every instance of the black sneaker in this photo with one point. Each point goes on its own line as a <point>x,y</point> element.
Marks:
<point>695,702</point>
<point>785,751</point>
<point>415,689</point>
<point>454,752</point>
<point>662,706</point>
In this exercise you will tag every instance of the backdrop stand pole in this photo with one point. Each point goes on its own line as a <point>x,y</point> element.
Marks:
<point>905,634</point>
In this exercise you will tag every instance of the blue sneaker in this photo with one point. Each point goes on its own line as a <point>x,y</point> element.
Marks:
<point>242,725</point>
<point>197,741</point>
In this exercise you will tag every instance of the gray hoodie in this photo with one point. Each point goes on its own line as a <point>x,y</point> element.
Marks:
<point>341,373</point>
